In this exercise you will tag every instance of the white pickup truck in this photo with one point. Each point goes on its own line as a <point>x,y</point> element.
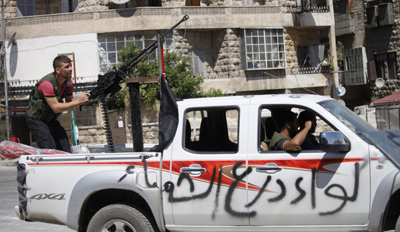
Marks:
<point>215,177</point>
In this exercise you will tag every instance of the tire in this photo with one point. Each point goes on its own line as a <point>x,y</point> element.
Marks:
<point>397,229</point>
<point>119,218</point>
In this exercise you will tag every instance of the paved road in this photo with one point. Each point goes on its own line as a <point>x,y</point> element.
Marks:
<point>9,198</point>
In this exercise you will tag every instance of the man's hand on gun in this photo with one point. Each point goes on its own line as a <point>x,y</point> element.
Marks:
<point>83,98</point>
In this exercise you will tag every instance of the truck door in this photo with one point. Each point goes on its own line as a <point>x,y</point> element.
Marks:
<point>307,188</point>
<point>206,186</point>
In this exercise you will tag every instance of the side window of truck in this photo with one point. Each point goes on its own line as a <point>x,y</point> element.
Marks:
<point>211,130</point>
<point>270,122</point>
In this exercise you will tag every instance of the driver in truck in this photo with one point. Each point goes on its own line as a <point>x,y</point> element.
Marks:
<point>288,139</point>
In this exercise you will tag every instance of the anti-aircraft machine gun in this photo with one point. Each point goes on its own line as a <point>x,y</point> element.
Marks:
<point>110,84</point>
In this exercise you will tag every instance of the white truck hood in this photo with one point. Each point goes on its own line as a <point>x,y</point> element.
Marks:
<point>387,141</point>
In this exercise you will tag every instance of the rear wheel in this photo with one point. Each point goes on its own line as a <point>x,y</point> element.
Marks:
<point>119,218</point>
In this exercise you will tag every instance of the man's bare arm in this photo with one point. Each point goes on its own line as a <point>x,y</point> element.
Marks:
<point>297,140</point>
<point>70,103</point>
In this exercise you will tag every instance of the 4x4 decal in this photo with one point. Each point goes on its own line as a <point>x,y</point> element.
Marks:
<point>48,196</point>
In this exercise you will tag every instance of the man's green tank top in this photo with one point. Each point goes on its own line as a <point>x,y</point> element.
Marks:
<point>38,107</point>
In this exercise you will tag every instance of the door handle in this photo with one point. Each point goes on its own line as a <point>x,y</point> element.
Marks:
<point>190,170</point>
<point>193,170</point>
<point>269,168</point>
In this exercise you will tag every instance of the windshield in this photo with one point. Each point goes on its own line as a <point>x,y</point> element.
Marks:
<point>348,117</point>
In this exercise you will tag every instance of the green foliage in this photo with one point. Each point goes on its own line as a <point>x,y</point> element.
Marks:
<point>118,100</point>
<point>214,93</point>
<point>339,52</point>
<point>178,72</point>
<point>180,76</point>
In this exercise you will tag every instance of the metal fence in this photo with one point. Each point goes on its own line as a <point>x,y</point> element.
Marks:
<point>387,118</point>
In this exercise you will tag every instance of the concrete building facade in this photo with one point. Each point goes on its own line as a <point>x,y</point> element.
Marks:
<point>369,31</point>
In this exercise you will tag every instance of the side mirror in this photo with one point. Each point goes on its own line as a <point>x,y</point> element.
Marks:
<point>333,141</point>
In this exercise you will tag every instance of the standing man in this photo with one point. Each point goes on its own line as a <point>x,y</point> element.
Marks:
<point>289,138</point>
<point>46,104</point>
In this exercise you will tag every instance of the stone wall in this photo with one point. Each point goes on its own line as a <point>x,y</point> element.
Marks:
<point>222,49</point>
<point>10,8</point>
<point>93,5</point>
<point>97,134</point>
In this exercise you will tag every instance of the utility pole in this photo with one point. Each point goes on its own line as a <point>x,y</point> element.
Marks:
<point>332,42</point>
<point>3,27</point>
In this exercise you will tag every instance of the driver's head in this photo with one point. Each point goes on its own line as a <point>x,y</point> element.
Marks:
<point>305,116</point>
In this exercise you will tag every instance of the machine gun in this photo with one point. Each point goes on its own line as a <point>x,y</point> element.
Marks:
<point>110,82</point>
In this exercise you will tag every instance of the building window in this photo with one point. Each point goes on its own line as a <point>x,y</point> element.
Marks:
<point>310,59</point>
<point>69,6</point>
<point>354,66</point>
<point>25,7</point>
<point>264,49</point>
<point>386,66</point>
<point>192,2</point>
<point>111,43</point>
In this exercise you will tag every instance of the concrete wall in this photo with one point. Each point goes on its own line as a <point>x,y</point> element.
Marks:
<point>31,59</point>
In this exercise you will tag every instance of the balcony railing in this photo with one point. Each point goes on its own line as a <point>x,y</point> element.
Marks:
<point>312,70</point>
<point>314,9</point>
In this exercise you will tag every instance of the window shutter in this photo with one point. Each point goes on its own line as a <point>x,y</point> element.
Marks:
<point>355,66</point>
<point>372,70</point>
<point>197,60</point>
<point>25,7</point>
<point>64,6</point>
